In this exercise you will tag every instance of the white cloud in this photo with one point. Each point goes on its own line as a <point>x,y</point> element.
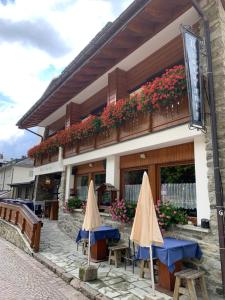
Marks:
<point>75,21</point>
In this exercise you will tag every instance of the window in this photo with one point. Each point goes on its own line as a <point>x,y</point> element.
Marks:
<point>19,192</point>
<point>132,184</point>
<point>82,187</point>
<point>27,192</point>
<point>178,187</point>
<point>99,179</point>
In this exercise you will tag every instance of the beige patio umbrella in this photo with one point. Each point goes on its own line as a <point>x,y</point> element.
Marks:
<point>145,230</point>
<point>92,218</point>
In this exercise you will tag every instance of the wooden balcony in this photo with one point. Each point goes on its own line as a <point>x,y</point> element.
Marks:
<point>142,124</point>
<point>46,159</point>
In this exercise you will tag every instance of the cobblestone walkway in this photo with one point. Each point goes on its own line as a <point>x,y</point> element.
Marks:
<point>23,278</point>
<point>115,283</point>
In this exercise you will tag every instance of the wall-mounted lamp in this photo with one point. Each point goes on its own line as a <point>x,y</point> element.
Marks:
<point>47,181</point>
<point>90,165</point>
<point>142,156</point>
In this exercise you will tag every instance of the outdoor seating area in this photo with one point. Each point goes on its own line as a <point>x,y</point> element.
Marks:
<point>154,255</point>
<point>168,259</point>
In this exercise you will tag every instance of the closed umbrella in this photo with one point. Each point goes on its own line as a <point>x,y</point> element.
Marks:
<point>145,230</point>
<point>92,218</point>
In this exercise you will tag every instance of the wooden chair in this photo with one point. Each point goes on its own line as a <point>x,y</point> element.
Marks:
<point>189,276</point>
<point>130,256</point>
<point>84,244</point>
<point>115,253</point>
<point>145,268</point>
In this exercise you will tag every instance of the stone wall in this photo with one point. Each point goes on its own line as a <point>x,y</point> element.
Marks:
<point>62,185</point>
<point>12,234</point>
<point>70,223</point>
<point>215,12</point>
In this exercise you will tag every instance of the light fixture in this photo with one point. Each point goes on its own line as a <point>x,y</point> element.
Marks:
<point>90,165</point>
<point>142,156</point>
<point>47,180</point>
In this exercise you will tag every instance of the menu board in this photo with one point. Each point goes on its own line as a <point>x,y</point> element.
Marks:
<point>194,77</point>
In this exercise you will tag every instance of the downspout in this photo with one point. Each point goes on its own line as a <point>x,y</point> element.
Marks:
<point>213,121</point>
<point>34,133</point>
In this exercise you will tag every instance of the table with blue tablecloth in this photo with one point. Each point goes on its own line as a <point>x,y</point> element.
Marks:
<point>98,240</point>
<point>170,255</point>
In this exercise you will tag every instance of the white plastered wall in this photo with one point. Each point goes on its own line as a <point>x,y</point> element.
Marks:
<point>202,194</point>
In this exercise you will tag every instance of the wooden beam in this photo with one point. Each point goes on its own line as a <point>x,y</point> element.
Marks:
<point>103,62</point>
<point>114,52</point>
<point>123,42</point>
<point>141,28</point>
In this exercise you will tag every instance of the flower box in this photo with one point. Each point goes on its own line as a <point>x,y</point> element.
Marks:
<point>54,156</point>
<point>173,114</point>
<point>137,126</point>
<point>70,150</point>
<point>106,137</point>
<point>87,144</point>
<point>45,159</point>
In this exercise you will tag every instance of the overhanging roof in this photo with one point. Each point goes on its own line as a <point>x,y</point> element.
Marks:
<point>137,24</point>
<point>22,183</point>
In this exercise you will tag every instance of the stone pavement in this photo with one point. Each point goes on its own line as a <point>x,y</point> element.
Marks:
<point>114,283</point>
<point>23,278</point>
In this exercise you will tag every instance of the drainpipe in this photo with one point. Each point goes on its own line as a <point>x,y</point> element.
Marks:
<point>34,133</point>
<point>213,121</point>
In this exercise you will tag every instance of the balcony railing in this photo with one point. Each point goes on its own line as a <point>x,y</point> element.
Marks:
<point>142,124</point>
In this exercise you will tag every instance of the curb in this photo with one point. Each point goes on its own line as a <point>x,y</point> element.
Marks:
<point>70,279</point>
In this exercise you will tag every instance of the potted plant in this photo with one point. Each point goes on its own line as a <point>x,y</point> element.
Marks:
<point>74,203</point>
<point>168,215</point>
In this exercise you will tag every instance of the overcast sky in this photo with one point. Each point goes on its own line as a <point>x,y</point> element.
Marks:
<point>38,39</point>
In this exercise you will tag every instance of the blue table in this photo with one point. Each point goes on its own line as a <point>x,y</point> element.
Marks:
<point>100,233</point>
<point>98,240</point>
<point>172,251</point>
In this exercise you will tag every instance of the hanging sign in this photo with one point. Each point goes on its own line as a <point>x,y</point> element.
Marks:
<point>194,77</point>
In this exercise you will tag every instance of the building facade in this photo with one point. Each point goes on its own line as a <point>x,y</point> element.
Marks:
<point>17,178</point>
<point>90,133</point>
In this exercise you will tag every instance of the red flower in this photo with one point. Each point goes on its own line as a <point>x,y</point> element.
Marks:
<point>162,91</point>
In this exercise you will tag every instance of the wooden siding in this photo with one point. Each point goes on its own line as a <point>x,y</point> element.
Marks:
<point>117,85</point>
<point>179,154</point>
<point>174,154</point>
<point>95,167</point>
<point>95,101</point>
<point>166,56</point>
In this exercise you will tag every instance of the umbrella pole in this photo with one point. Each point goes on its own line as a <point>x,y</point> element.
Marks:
<point>89,247</point>
<point>152,270</point>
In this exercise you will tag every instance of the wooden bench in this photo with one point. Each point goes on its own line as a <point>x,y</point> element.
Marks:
<point>115,253</point>
<point>189,276</point>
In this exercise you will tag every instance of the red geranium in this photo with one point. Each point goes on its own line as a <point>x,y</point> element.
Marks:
<point>162,91</point>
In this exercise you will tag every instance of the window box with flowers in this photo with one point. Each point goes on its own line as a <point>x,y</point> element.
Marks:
<point>122,211</point>
<point>157,94</point>
<point>168,215</point>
